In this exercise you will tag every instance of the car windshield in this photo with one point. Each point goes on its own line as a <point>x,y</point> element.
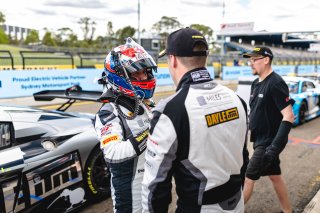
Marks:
<point>293,87</point>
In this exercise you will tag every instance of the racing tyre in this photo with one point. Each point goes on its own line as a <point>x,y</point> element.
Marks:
<point>97,177</point>
<point>302,113</point>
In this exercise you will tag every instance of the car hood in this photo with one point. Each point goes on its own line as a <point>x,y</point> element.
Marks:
<point>31,124</point>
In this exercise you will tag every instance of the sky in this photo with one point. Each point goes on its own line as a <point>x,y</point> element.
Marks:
<point>270,15</point>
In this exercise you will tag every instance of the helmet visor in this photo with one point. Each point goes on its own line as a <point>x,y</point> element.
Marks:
<point>145,63</point>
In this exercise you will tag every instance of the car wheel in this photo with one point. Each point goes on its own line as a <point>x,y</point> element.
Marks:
<point>302,112</point>
<point>97,176</point>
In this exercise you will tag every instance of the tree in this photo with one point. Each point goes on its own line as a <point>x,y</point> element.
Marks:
<point>100,42</point>
<point>48,40</point>
<point>32,37</point>
<point>205,30</point>
<point>4,39</point>
<point>63,35</point>
<point>93,30</point>
<point>125,32</point>
<point>165,26</point>
<point>86,26</point>
<point>110,38</point>
<point>110,32</point>
<point>72,40</point>
<point>2,18</point>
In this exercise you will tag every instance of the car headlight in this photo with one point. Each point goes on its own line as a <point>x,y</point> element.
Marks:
<point>6,134</point>
<point>49,145</point>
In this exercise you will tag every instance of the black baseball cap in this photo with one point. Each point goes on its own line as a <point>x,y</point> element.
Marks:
<point>182,42</point>
<point>257,51</point>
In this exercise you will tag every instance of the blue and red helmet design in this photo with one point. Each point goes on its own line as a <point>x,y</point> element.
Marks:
<point>130,58</point>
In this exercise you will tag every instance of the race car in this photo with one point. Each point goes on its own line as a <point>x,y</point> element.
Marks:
<point>306,94</point>
<point>313,76</point>
<point>50,161</point>
<point>304,91</point>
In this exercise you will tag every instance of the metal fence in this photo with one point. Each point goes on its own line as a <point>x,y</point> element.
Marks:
<point>6,60</point>
<point>89,59</point>
<point>46,58</point>
<point>50,60</point>
<point>70,60</point>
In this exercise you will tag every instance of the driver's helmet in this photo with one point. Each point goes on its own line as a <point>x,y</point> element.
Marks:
<point>130,58</point>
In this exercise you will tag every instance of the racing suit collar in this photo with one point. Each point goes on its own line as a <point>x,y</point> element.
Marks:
<point>194,76</point>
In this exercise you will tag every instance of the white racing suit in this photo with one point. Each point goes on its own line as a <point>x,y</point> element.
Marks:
<point>123,143</point>
<point>198,136</point>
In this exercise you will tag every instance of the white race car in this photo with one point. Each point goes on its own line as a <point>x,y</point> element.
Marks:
<point>50,161</point>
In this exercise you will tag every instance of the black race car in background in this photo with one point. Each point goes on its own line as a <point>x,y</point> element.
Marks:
<point>50,160</point>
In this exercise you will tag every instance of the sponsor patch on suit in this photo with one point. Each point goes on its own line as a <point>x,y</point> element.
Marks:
<point>222,116</point>
<point>109,139</point>
<point>217,99</point>
<point>200,75</point>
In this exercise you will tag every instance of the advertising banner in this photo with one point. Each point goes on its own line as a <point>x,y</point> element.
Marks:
<point>163,77</point>
<point>306,69</point>
<point>233,73</point>
<point>19,83</point>
<point>284,69</point>
<point>236,27</point>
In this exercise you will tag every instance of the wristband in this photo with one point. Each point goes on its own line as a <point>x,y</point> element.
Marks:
<point>281,139</point>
